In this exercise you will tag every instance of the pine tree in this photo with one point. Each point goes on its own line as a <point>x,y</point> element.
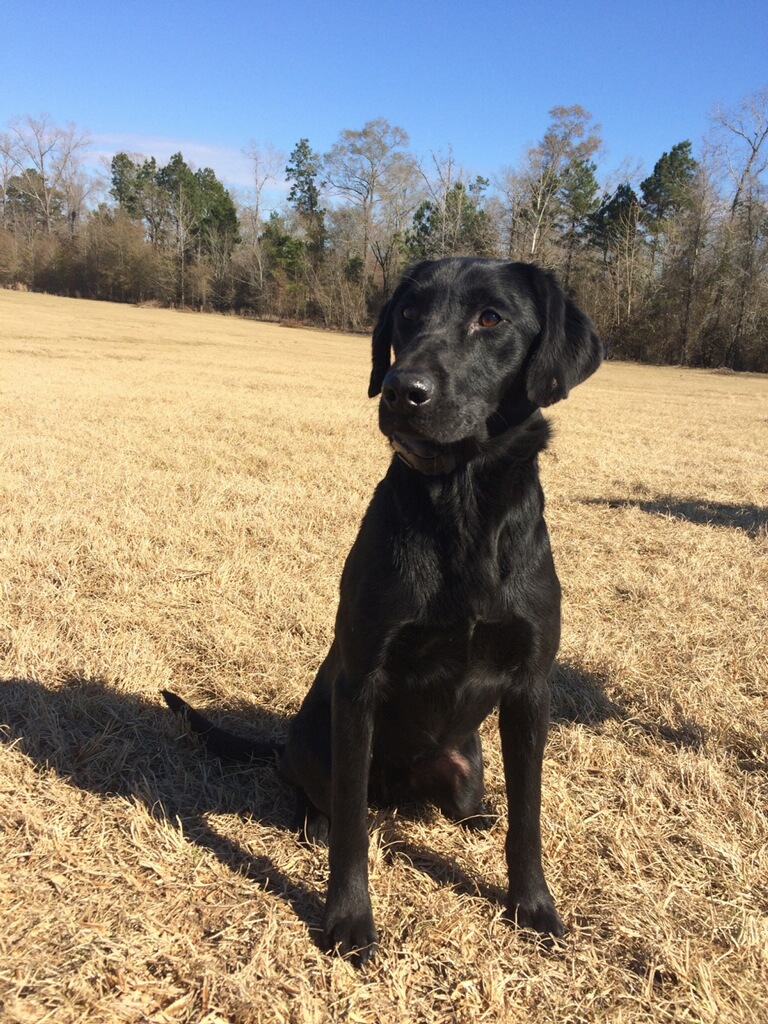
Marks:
<point>665,192</point>
<point>304,196</point>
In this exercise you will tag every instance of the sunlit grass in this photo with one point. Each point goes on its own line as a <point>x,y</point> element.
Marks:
<point>178,494</point>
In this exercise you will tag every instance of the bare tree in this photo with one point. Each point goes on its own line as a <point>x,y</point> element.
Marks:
<point>363,167</point>
<point>439,183</point>
<point>399,195</point>
<point>267,165</point>
<point>8,168</point>
<point>744,134</point>
<point>689,240</point>
<point>742,139</point>
<point>48,168</point>
<point>532,191</point>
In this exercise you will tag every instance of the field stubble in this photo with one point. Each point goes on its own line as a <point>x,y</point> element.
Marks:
<point>177,495</point>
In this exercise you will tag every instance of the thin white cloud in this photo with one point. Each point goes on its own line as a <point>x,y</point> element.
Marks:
<point>230,165</point>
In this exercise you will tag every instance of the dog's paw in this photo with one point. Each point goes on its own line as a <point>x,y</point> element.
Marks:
<point>537,913</point>
<point>480,820</point>
<point>315,829</point>
<point>352,936</point>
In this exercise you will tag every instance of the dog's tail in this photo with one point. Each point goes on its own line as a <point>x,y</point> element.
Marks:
<point>218,741</point>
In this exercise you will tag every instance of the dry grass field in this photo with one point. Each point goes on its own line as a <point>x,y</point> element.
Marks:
<point>177,495</point>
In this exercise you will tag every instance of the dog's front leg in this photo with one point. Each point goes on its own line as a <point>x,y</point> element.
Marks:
<point>523,724</point>
<point>349,927</point>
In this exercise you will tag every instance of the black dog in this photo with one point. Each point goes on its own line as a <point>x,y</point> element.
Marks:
<point>449,602</point>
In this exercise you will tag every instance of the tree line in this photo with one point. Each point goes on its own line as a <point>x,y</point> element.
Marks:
<point>673,265</point>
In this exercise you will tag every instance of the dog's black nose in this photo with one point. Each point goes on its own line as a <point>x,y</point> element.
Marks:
<point>406,390</point>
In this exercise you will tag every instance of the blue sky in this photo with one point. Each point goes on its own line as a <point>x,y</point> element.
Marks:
<point>207,78</point>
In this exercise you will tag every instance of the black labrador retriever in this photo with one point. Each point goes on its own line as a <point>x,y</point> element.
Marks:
<point>449,602</point>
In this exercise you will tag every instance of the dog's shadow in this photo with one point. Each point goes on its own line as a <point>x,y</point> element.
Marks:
<point>579,697</point>
<point>115,743</point>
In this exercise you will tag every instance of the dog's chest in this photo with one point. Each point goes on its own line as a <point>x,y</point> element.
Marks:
<point>452,573</point>
<point>474,652</point>
<point>440,684</point>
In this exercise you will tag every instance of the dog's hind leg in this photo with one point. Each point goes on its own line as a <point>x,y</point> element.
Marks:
<point>468,807</point>
<point>306,763</point>
<point>452,778</point>
<point>313,826</point>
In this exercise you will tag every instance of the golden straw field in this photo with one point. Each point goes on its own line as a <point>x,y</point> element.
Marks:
<point>177,496</point>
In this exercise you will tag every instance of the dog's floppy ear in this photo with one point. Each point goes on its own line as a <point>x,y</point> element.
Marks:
<point>567,350</point>
<point>382,332</point>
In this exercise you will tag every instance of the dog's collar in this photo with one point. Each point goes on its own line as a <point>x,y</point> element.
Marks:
<point>436,460</point>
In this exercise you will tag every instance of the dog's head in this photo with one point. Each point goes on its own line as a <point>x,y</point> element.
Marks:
<point>477,345</point>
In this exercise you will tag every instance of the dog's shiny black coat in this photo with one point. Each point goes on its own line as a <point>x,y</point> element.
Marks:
<point>449,601</point>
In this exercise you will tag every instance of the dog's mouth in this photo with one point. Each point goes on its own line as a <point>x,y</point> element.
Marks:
<point>427,457</point>
<point>420,446</point>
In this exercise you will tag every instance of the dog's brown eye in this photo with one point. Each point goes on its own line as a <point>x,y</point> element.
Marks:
<point>410,312</point>
<point>488,318</point>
